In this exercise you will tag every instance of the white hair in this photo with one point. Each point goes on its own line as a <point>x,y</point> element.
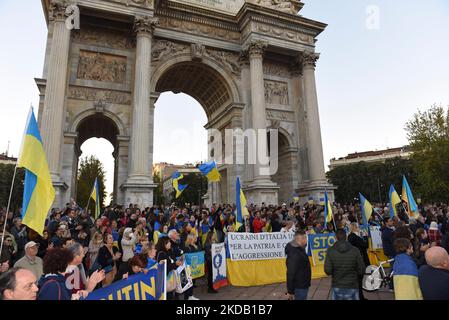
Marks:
<point>172,232</point>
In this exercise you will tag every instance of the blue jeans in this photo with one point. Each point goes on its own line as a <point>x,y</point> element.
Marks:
<point>301,294</point>
<point>345,294</point>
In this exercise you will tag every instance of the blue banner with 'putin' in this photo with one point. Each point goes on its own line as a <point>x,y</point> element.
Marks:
<point>141,286</point>
<point>318,245</point>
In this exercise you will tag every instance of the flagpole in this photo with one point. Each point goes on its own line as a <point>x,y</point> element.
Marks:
<point>7,208</point>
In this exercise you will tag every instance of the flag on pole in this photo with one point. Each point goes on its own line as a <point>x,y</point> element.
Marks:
<point>95,195</point>
<point>240,200</point>
<point>407,196</point>
<point>38,191</point>
<point>176,185</point>
<point>327,210</point>
<point>209,169</point>
<point>394,200</point>
<point>367,209</point>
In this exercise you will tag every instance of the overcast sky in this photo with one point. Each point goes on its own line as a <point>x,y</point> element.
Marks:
<point>372,76</point>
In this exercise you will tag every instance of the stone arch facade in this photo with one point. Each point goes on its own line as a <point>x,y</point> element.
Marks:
<point>249,63</point>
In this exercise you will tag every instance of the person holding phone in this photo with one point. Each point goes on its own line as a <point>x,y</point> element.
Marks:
<point>107,257</point>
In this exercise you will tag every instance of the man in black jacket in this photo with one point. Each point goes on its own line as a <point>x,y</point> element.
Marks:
<point>387,238</point>
<point>299,273</point>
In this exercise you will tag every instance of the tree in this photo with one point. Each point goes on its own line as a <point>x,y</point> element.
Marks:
<point>196,189</point>
<point>428,135</point>
<point>90,168</point>
<point>158,195</point>
<point>373,180</point>
<point>6,174</point>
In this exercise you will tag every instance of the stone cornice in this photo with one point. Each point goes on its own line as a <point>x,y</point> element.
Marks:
<point>251,12</point>
<point>236,107</point>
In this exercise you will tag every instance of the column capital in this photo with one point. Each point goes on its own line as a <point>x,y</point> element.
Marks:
<point>145,25</point>
<point>57,10</point>
<point>308,59</point>
<point>256,49</point>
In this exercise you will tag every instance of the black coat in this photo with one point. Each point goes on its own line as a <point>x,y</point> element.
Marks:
<point>387,242</point>
<point>299,273</point>
<point>360,244</point>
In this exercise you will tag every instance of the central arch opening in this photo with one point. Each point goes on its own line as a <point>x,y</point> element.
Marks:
<point>191,94</point>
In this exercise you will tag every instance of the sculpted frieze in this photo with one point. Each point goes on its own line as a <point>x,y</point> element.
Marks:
<point>101,67</point>
<point>198,28</point>
<point>284,33</point>
<point>97,95</point>
<point>103,38</point>
<point>164,49</point>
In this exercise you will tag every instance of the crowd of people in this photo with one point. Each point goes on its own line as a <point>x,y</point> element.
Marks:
<point>77,254</point>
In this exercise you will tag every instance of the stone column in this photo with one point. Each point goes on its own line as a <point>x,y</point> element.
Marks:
<point>54,103</point>
<point>258,112</point>
<point>312,117</point>
<point>140,139</point>
<point>139,186</point>
<point>261,189</point>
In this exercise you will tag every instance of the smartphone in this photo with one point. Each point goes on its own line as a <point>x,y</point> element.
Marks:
<point>107,269</point>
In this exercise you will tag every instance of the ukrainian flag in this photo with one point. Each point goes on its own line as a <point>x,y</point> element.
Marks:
<point>178,187</point>
<point>38,191</point>
<point>407,196</point>
<point>209,169</point>
<point>327,210</point>
<point>394,200</point>
<point>240,200</point>
<point>405,279</point>
<point>95,195</point>
<point>367,209</point>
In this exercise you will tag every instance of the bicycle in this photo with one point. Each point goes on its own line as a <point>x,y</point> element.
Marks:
<point>376,277</point>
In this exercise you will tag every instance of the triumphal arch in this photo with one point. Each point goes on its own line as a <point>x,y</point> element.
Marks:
<point>249,63</point>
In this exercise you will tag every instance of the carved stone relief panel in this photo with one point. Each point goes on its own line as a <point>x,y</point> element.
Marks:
<point>276,69</point>
<point>283,33</point>
<point>228,60</point>
<point>164,49</point>
<point>101,67</point>
<point>108,96</point>
<point>287,6</point>
<point>198,28</point>
<point>276,92</point>
<point>148,4</point>
<point>103,38</point>
<point>279,115</point>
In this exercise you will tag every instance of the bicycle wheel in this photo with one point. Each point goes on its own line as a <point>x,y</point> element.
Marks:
<point>372,279</point>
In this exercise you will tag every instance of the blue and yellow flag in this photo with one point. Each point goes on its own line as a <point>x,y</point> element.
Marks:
<point>95,195</point>
<point>407,196</point>
<point>367,209</point>
<point>209,169</point>
<point>327,210</point>
<point>178,187</point>
<point>240,200</point>
<point>38,191</point>
<point>394,200</point>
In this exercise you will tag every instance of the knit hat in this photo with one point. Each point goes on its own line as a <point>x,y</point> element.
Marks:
<point>433,226</point>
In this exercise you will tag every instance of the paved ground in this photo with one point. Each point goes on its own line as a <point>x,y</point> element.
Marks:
<point>320,290</point>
